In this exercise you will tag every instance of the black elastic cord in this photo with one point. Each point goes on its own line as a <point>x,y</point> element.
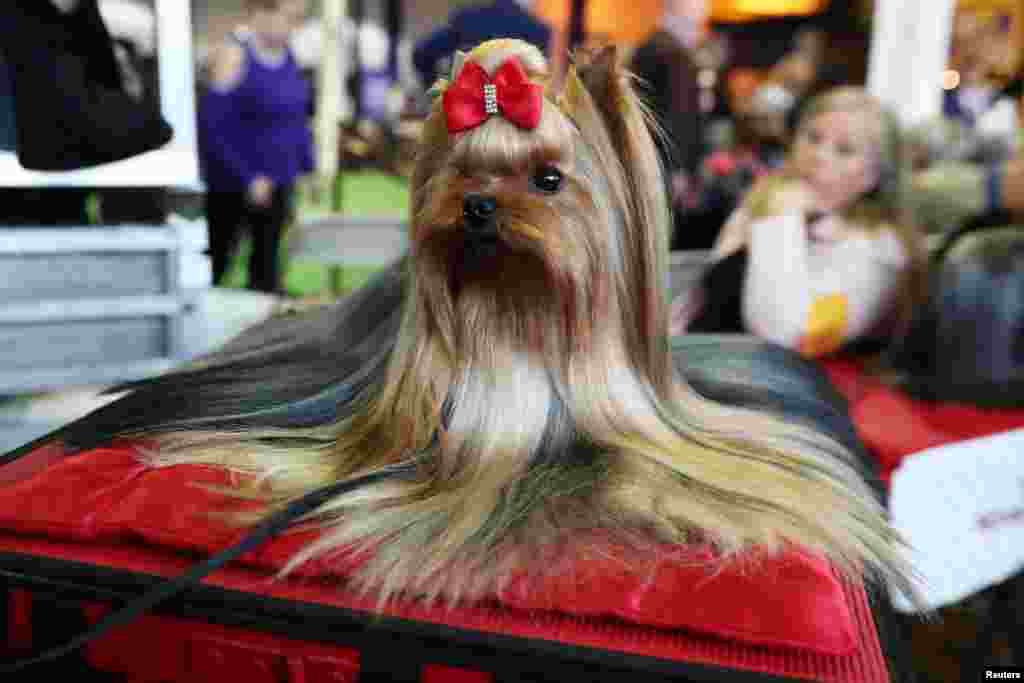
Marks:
<point>270,527</point>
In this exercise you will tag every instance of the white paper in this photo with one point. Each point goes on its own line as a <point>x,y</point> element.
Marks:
<point>961,507</point>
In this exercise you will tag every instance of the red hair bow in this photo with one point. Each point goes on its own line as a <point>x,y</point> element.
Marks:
<point>473,97</point>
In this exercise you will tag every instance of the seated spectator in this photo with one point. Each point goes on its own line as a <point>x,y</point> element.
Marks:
<point>967,163</point>
<point>978,54</point>
<point>807,71</point>
<point>668,78</point>
<point>470,26</point>
<point>756,147</point>
<point>819,254</point>
<point>961,177</point>
<point>798,70</point>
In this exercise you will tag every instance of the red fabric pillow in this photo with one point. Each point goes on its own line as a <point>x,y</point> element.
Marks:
<point>791,600</point>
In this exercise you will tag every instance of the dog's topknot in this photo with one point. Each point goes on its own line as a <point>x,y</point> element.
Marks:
<point>490,56</point>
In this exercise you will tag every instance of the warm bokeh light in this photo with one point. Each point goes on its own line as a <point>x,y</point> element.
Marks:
<point>607,17</point>
<point>610,19</point>
<point>748,10</point>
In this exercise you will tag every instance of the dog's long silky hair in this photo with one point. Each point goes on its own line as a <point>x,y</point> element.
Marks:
<point>539,392</point>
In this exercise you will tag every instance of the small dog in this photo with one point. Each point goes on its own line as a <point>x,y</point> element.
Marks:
<point>521,352</point>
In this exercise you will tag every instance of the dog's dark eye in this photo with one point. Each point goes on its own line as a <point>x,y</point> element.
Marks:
<point>547,179</point>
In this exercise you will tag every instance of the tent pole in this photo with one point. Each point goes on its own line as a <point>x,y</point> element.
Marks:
<point>909,51</point>
<point>328,114</point>
<point>329,101</point>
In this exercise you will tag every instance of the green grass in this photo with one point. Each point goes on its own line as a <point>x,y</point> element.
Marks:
<point>362,194</point>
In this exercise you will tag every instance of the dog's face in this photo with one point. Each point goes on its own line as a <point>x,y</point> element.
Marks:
<point>498,218</point>
<point>517,227</point>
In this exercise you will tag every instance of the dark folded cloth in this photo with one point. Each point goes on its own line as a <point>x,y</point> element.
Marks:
<point>71,109</point>
<point>722,283</point>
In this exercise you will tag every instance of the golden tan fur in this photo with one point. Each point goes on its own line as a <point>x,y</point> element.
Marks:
<point>559,344</point>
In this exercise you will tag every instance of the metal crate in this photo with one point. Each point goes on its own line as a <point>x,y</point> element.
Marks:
<point>89,305</point>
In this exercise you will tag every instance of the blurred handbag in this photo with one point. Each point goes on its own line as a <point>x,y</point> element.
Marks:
<point>71,109</point>
<point>967,343</point>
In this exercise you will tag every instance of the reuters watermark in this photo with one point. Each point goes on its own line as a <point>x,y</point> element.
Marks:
<point>1002,673</point>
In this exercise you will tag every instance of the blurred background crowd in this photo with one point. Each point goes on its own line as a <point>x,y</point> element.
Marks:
<point>727,81</point>
<point>762,108</point>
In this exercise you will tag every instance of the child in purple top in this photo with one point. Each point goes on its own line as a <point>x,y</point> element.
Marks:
<point>254,138</point>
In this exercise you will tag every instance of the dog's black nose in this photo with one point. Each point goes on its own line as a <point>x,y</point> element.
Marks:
<point>479,210</point>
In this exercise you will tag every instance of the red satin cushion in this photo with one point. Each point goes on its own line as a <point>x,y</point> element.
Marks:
<point>790,600</point>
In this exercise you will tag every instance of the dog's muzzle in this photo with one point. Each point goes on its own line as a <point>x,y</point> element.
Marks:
<point>478,213</point>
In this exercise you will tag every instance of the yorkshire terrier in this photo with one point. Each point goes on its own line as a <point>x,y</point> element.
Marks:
<point>520,352</point>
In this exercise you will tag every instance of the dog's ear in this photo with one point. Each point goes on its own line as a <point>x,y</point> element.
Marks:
<point>600,85</point>
<point>596,74</point>
<point>630,127</point>
<point>600,73</point>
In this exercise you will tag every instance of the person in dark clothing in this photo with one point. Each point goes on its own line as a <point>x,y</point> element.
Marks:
<point>757,148</point>
<point>471,26</point>
<point>820,255</point>
<point>977,55</point>
<point>820,72</point>
<point>254,139</point>
<point>668,83</point>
